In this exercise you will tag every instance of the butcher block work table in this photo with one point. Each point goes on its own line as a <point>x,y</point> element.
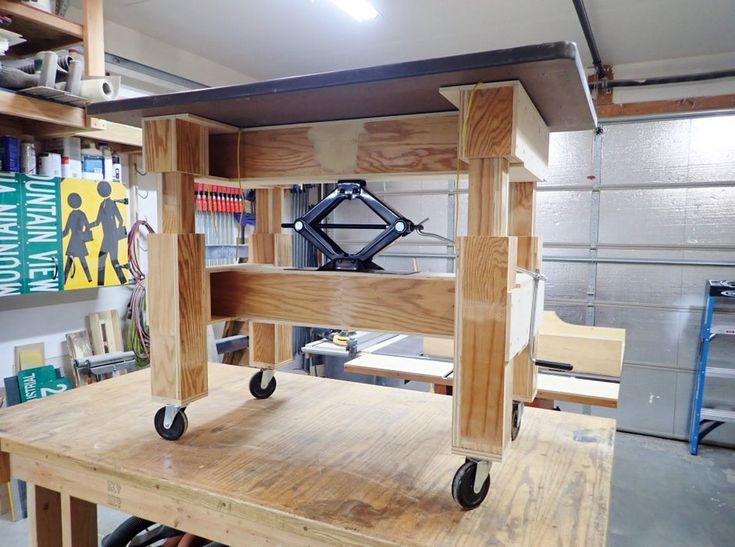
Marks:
<point>320,462</point>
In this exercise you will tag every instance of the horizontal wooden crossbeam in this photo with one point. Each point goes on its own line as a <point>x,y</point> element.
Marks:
<point>408,304</point>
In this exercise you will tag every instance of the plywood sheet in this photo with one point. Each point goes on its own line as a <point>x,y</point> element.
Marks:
<point>403,368</point>
<point>374,468</point>
<point>557,387</point>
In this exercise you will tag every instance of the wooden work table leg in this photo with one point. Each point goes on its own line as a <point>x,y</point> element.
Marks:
<point>522,224</point>
<point>500,129</point>
<point>482,374</point>
<point>44,517</point>
<point>78,522</point>
<point>486,263</point>
<point>178,289</point>
<point>270,345</point>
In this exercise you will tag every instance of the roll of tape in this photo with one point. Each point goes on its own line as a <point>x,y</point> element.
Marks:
<point>100,89</point>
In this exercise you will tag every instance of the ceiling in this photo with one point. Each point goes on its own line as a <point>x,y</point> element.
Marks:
<point>274,38</point>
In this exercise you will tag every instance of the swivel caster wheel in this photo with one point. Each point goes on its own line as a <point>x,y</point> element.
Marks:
<point>171,422</point>
<point>471,483</point>
<point>517,418</point>
<point>263,384</point>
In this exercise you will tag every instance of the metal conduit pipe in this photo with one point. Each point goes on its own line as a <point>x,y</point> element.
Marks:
<point>636,261</point>
<point>678,79</point>
<point>584,22</point>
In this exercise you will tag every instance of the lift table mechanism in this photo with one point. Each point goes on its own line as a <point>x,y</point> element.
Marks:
<point>492,111</point>
<point>311,228</point>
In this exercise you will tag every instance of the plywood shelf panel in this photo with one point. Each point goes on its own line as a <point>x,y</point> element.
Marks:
<point>42,30</point>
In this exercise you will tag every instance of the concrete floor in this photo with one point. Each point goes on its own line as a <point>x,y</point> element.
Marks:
<point>661,496</point>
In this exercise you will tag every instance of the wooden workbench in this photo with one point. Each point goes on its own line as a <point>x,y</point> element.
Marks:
<point>322,461</point>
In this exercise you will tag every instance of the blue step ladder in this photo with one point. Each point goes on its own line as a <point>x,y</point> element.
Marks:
<point>704,420</point>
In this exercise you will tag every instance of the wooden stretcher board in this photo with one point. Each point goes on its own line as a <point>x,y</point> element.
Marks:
<point>320,462</point>
<point>554,387</point>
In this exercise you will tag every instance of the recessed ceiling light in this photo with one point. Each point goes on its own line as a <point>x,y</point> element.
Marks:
<point>360,10</point>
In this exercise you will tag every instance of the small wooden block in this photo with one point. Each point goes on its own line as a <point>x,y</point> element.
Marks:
<point>522,209</point>
<point>500,120</point>
<point>177,203</point>
<point>594,350</point>
<point>178,315</point>
<point>482,376</point>
<point>270,345</point>
<point>171,144</point>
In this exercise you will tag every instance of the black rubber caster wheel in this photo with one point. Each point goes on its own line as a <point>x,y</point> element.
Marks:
<point>178,426</point>
<point>257,391</point>
<point>463,486</point>
<point>516,421</point>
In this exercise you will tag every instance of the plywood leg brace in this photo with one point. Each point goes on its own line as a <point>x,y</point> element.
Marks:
<point>522,224</point>
<point>178,289</point>
<point>482,374</point>
<point>270,344</point>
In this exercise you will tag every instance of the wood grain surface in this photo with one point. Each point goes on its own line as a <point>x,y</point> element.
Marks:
<point>177,203</point>
<point>490,122</point>
<point>482,376</point>
<point>404,368</point>
<point>557,387</point>
<point>79,522</point>
<point>408,304</point>
<point>487,210</point>
<point>320,462</point>
<point>270,344</point>
<point>413,144</point>
<point>594,350</point>
<point>178,316</point>
<point>525,372</point>
<point>44,517</point>
<point>173,144</point>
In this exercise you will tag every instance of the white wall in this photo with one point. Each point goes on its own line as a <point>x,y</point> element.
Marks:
<point>131,44</point>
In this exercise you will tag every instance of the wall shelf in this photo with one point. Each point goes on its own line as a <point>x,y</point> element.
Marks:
<point>42,30</point>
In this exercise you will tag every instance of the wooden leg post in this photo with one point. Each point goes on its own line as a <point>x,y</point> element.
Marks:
<point>522,224</point>
<point>502,137</point>
<point>178,289</point>
<point>485,276</point>
<point>178,304</point>
<point>44,517</point>
<point>482,375</point>
<point>270,345</point>
<point>78,522</point>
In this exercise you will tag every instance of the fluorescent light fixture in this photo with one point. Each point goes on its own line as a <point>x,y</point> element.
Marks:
<point>360,10</point>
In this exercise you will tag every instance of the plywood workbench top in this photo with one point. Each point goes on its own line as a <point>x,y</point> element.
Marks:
<point>321,460</point>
